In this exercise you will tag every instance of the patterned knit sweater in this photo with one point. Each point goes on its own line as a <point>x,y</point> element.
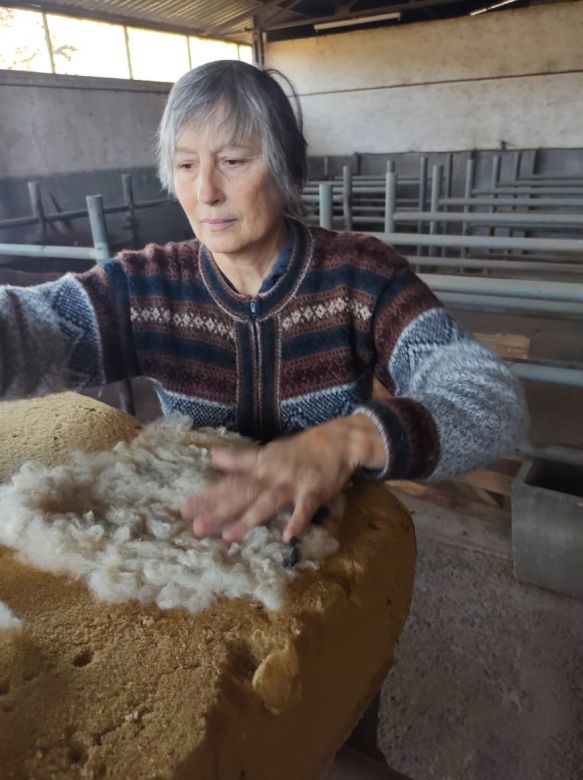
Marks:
<point>347,309</point>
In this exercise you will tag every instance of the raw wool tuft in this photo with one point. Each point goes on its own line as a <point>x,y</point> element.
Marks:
<point>112,519</point>
<point>8,620</point>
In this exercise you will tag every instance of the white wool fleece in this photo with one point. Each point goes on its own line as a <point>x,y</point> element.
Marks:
<point>112,519</point>
<point>8,620</point>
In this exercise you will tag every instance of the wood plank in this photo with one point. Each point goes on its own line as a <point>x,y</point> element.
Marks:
<point>510,346</point>
<point>441,495</point>
<point>484,479</point>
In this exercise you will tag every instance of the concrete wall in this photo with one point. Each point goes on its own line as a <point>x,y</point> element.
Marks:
<point>473,82</point>
<point>76,136</point>
<point>61,124</point>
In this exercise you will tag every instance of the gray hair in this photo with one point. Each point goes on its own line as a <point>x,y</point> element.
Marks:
<point>251,101</point>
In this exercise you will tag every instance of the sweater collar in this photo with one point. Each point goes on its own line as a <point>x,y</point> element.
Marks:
<point>266,303</point>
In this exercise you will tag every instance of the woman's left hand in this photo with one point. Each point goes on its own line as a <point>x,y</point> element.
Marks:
<point>304,471</point>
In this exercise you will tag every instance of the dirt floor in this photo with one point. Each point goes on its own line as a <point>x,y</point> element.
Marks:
<point>488,680</point>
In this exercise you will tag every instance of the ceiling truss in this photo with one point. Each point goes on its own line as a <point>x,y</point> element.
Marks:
<point>238,19</point>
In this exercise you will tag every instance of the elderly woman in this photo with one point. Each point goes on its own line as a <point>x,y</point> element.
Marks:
<point>266,326</point>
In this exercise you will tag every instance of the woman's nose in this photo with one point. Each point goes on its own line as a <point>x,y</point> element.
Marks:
<point>208,189</point>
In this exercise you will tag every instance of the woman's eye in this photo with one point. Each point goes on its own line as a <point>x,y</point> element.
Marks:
<point>186,166</point>
<point>233,163</point>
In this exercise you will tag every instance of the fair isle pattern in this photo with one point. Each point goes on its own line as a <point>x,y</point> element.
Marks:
<point>305,315</point>
<point>206,413</point>
<point>185,320</point>
<point>346,309</point>
<point>301,412</point>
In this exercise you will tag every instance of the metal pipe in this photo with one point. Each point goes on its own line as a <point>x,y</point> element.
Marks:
<point>499,265</point>
<point>560,176</point>
<point>436,179</point>
<point>128,194</point>
<point>555,453</point>
<point>33,250</point>
<point>552,245</point>
<point>102,253</point>
<point>448,174</point>
<point>326,206</point>
<point>549,181</point>
<point>468,191</point>
<point>527,202</point>
<point>13,222</point>
<point>516,165</point>
<point>496,163</point>
<point>538,219</point>
<point>362,180</point>
<point>363,190</point>
<point>347,196</point>
<point>36,204</point>
<point>434,197</point>
<point>148,204</point>
<point>368,220</point>
<point>556,375</point>
<point>423,162</point>
<point>493,302</point>
<point>533,161</point>
<point>508,189</point>
<point>81,213</point>
<point>98,227</point>
<point>568,292</point>
<point>390,201</point>
<point>448,183</point>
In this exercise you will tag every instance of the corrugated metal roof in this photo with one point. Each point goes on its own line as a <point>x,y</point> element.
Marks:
<point>204,17</point>
<point>235,18</point>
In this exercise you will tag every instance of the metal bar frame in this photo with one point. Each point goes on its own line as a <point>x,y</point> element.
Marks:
<point>515,218</point>
<point>484,242</point>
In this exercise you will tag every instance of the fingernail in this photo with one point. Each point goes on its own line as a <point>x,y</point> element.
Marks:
<point>291,557</point>
<point>200,527</point>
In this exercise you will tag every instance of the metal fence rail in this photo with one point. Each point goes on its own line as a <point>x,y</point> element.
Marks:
<point>38,217</point>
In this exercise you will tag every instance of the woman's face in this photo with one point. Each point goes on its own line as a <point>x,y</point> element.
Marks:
<point>226,190</point>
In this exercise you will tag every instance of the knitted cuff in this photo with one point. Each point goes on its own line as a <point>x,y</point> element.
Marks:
<point>373,417</point>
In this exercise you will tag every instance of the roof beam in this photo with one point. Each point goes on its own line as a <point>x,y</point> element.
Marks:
<point>409,6</point>
<point>263,5</point>
<point>284,5</point>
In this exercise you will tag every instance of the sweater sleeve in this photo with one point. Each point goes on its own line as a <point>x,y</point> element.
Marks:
<point>72,333</point>
<point>455,406</point>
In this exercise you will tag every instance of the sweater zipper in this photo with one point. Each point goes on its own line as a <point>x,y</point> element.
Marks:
<point>255,327</point>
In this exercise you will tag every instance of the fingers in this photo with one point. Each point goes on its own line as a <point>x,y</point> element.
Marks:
<point>224,501</point>
<point>256,482</point>
<point>304,510</point>
<point>236,461</point>
<point>263,509</point>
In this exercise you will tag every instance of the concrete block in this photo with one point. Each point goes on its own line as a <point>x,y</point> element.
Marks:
<point>547,526</point>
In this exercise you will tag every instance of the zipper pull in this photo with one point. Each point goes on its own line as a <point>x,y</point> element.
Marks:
<point>253,308</point>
